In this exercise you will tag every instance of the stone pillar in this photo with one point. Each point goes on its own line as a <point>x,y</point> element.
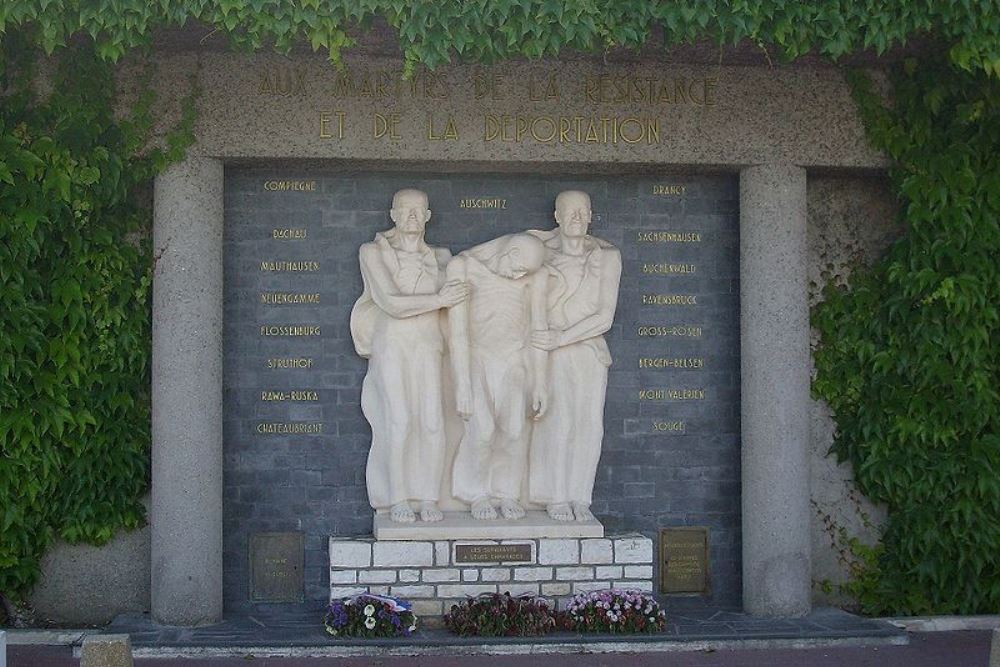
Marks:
<point>774,333</point>
<point>186,509</point>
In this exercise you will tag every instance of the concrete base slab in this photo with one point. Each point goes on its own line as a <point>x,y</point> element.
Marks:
<point>461,526</point>
<point>295,632</point>
<point>945,623</point>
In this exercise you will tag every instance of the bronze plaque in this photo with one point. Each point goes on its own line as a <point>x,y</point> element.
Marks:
<point>492,553</point>
<point>276,561</point>
<point>684,560</point>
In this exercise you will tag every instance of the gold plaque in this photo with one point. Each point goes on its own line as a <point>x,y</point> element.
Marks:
<point>492,553</point>
<point>684,560</point>
<point>276,567</point>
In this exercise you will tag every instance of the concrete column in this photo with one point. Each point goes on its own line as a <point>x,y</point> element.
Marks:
<point>186,510</point>
<point>774,332</point>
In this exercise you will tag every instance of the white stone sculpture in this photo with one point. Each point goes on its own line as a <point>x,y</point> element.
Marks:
<point>498,375</point>
<point>397,325</point>
<point>584,273</point>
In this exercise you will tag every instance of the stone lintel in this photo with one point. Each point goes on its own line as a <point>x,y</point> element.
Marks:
<point>461,526</point>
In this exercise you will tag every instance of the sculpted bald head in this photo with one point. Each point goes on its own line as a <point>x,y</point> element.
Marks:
<point>573,212</point>
<point>522,254</point>
<point>410,210</point>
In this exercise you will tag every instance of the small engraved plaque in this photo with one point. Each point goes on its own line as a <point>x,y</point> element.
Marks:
<point>492,553</point>
<point>276,561</point>
<point>684,560</point>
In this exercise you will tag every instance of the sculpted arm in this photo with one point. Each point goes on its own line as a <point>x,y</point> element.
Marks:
<point>384,292</point>
<point>538,293</point>
<point>458,341</point>
<point>599,322</point>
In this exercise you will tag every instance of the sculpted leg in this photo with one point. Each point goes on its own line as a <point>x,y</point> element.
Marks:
<point>402,513</point>
<point>511,509</point>
<point>483,509</point>
<point>560,511</point>
<point>582,512</point>
<point>429,512</point>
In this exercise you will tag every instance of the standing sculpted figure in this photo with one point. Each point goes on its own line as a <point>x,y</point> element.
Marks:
<point>496,370</point>
<point>397,325</point>
<point>584,273</point>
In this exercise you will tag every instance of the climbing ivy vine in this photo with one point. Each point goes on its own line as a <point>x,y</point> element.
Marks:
<point>907,359</point>
<point>910,353</point>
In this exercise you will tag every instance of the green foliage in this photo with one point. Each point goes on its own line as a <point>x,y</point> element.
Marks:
<point>909,359</point>
<point>431,33</point>
<point>906,361</point>
<point>75,322</point>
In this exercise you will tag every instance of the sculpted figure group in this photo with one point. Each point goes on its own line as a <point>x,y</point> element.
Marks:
<point>508,337</point>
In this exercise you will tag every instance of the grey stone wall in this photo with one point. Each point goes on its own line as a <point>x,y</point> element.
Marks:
<point>84,584</point>
<point>852,221</point>
<point>687,474</point>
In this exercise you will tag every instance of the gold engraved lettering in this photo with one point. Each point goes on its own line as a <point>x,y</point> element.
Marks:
<point>293,267</point>
<point>288,298</point>
<point>305,395</point>
<point>671,394</point>
<point>289,330</point>
<point>385,125</point>
<point>649,90</point>
<point>571,129</point>
<point>489,85</point>
<point>289,234</point>
<point>497,203</point>
<point>282,82</point>
<point>538,92</point>
<point>710,85</point>
<point>670,362</point>
<point>325,118</point>
<point>668,237</point>
<point>290,186</point>
<point>669,190</point>
<point>283,363</point>
<point>668,425</point>
<point>669,300</point>
<point>669,330</point>
<point>290,428</point>
<point>450,129</point>
<point>667,269</point>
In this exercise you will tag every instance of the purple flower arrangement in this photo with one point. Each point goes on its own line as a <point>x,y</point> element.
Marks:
<point>501,615</point>
<point>614,611</point>
<point>368,615</point>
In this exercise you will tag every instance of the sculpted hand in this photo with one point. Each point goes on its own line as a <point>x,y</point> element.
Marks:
<point>547,340</point>
<point>539,403</point>
<point>453,293</point>
<point>463,404</point>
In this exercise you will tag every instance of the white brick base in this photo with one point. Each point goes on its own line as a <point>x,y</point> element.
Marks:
<point>426,572</point>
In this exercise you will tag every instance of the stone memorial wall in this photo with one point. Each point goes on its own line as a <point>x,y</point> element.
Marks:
<point>296,441</point>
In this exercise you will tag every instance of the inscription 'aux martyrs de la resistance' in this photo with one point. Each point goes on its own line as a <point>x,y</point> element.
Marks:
<point>649,273</point>
<point>654,95</point>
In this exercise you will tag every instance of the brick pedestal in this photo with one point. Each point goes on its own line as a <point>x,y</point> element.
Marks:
<point>429,574</point>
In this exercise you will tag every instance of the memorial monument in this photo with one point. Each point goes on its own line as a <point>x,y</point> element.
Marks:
<point>396,324</point>
<point>524,313</point>
<point>496,370</point>
<point>566,446</point>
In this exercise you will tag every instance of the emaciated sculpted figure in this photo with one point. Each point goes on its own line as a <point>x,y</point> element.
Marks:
<point>584,273</point>
<point>397,325</point>
<point>496,370</point>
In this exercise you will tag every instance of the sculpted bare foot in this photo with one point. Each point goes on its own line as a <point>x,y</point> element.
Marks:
<point>430,513</point>
<point>483,509</point>
<point>560,512</point>
<point>401,513</point>
<point>582,512</point>
<point>511,509</point>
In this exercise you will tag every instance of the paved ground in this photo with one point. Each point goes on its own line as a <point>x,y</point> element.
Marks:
<point>298,625</point>
<point>939,649</point>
